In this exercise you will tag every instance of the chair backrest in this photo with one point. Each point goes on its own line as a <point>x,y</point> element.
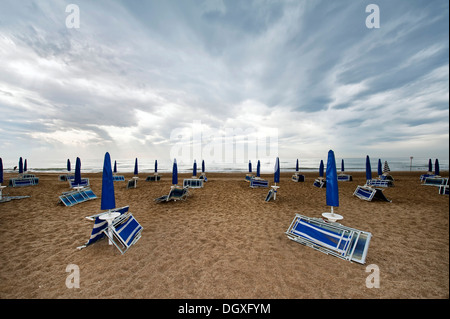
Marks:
<point>258,183</point>
<point>126,232</point>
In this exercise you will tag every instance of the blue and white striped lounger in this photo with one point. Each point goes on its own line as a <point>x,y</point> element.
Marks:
<point>435,181</point>
<point>77,196</point>
<point>126,231</point>
<point>84,183</point>
<point>255,183</point>
<point>22,182</point>
<point>118,178</point>
<point>370,193</point>
<point>193,183</point>
<point>330,238</point>
<point>344,178</point>
<point>320,183</point>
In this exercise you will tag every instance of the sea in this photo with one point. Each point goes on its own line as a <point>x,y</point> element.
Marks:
<point>126,165</point>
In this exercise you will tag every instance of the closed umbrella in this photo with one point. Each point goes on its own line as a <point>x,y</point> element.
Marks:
<point>108,198</point>
<point>174,172</point>
<point>77,178</point>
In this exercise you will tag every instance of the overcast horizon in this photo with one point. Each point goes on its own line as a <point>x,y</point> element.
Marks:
<point>309,75</point>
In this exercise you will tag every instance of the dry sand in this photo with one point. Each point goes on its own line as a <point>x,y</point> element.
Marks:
<point>224,241</point>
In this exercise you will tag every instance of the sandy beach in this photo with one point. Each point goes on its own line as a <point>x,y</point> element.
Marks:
<point>224,241</point>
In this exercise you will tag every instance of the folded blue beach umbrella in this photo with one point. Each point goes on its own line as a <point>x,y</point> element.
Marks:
<point>342,165</point>
<point>194,169</point>
<point>115,167</point>
<point>108,198</point>
<point>20,165</point>
<point>77,177</point>
<point>258,169</point>
<point>135,167</point>
<point>1,170</point>
<point>368,169</point>
<point>321,168</point>
<point>174,172</point>
<point>203,166</point>
<point>249,166</point>
<point>430,165</point>
<point>276,176</point>
<point>436,167</point>
<point>380,169</point>
<point>25,168</point>
<point>68,165</point>
<point>296,166</point>
<point>332,181</point>
<point>156,166</point>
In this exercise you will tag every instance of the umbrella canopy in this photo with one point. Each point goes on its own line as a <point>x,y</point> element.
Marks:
<point>436,167</point>
<point>332,181</point>
<point>249,166</point>
<point>174,172</point>
<point>68,165</point>
<point>296,166</point>
<point>108,198</point>
<point>321,168</point>
<point>1,170</point>
<point>25,168</point>
<point>342,165</point>
<point>380,170</point>
<point>194,169</point>
<point>368,169</point>
<point>20,166</point>
<point>276,176</point>
<point>156,166</point>
<point>115,166</point>
<point>430,165</point>
<point>77,177</point>
<point>258,169</point>
<point>203,166</point>
<point>135,167</point>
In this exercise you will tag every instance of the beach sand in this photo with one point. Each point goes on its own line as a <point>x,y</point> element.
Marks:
<point>224,241</point>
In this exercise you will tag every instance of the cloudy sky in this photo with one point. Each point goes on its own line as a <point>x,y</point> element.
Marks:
<point>137,78</point>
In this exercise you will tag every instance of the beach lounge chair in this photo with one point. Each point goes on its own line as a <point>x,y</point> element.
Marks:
<point>435,181</point>
<point>330,238</point>
<point>118,178</point>
<point>298,178</point>
<point>320,183</point>
<point>193,183</point>
<point>22,181</point>
<point>125,232</point>
<point>444,189</point>
<point>84,182</point>
<point>379,183</point>
<point>369,193</point>
<point>344,178</point>
<point>176,193</point>
<point>153,178</point>
<point>132,183</point>
<point>257,182</point>
<point>77,196</point>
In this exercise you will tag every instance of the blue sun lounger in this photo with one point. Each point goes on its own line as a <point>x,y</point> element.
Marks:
<point>369,193</point>
<point>24,181</point>
<point>379,183</point>
<point>330,238</point>
<point>153,178</point>
<point>125,232</point>
<point>435,181</point>
<point>298,178</point>
<point>77,196</point>
<point>193,183</point>
<point>84,182</point>
<point>118,178</point>
<point>320,183</point>
<point>443,189</point>
<point>176,193</point>
<point>344,178</point>
<point>256,183</point>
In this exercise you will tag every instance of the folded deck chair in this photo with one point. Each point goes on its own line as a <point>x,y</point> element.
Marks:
<point>330,238</point>
<point>193,183</point>
<point>84,182</point>
<point>379,183</point>
<point>298,178</point>
<point>255,183</point>
<point>132,183</point>
<point>424,176</point>
<point>176,193</point>
<point>118,178</point>
<point>344,178</point>
<point>369,193</point>
<point>435,181</point>
<point>153,178</point>
<point>271,194</point>
<point>77,196</point>
<point>320,183</point>
<point>125,232</point>
<point>100,225</point>
<point>249,177</point>
<point>22,182</point>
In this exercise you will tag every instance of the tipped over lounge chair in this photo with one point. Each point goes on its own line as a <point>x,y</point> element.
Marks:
<point>330,238</point>
<point>369,193</point>
<point>176,193</point>
<point>74,197</point>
